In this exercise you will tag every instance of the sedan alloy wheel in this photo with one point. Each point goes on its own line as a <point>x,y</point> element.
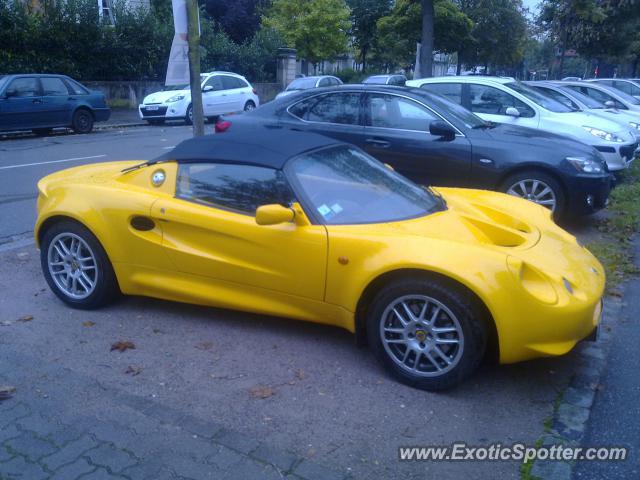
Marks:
<point>534,190</point>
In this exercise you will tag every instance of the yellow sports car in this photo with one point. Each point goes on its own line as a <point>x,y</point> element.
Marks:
<point>297,225</point>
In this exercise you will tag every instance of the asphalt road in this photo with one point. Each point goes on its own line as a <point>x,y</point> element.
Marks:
<point>26,159</point>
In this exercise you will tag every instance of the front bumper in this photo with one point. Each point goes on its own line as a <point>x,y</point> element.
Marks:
<point>587,194</point>
<point>159,111</point>
<point>619,157</point>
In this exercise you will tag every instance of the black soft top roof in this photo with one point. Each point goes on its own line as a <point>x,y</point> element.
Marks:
<point>248,145</point>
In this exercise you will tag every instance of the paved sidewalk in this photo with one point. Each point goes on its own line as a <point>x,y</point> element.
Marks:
<point>121,117</point>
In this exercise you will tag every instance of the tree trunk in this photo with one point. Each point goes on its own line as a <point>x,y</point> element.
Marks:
<point>194,67</point>
<point>426,51</point>
<point>563,47</point>
<point>364,59</point>
<point>459,65</point>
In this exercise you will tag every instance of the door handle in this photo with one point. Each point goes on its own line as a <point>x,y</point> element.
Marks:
<point>376,142</point>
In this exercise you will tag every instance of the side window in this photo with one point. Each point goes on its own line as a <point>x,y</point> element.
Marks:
<point>493,101</point>
<point>453,91</point>
<point>558,97</point>
<point>240,188</point>
<point>324,82</point>
<point>627,87</point>
<point>214,82</point>
<point>335,81</point>
<point>24,87</point>
<point>53,86</point>
<point>75,87</point>
<point>229,83</point>
<point>392,111</point>
<point>600,96</point>
<point>335,108</point>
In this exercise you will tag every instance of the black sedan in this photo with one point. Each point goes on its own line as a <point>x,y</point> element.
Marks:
<point>436,142</point>
<point>44,102</point>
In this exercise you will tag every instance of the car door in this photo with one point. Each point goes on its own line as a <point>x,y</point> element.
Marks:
<point>209,230</point>
<point>214,98</point>
<point>397,133</point>
<point>491,103</point>
<point>21,105</point>
<point>235,95</point>
<point>57,102</point>
<point>337,115</point>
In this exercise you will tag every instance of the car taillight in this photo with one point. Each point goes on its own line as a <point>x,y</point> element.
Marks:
<point>222,126</point>
<point>255,92</point>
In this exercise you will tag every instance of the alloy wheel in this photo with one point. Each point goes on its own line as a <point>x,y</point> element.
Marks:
<point>72,265</point>
<point>421,335</point>
<point>534,190</point>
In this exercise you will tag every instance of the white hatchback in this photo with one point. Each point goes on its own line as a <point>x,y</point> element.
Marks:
<point>505,100</point>
<point>222,92</point>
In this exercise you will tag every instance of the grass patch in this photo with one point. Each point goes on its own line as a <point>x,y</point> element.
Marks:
<point>615,250</point>
<point>525,468</point>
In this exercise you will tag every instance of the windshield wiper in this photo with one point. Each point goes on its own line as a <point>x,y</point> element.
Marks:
<point>141,165</point>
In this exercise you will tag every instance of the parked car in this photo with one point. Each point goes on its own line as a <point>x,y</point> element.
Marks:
<point>394,79</point>
<point>42,102</point>
<point>626,85</point>
<point>303,226</point>
<point>305,83</point>
<point>509,101</point>
<point>434,141</point>
<point>611,97</point>
<point>580,102</point>
<point>222,92</point>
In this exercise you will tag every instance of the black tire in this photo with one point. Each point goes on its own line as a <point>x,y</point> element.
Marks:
<point>156,121</point>
<point>249,106</point>
<point>106,285</point>
<point>82,121</point>
<point>189,116</point>
<point>42,132</point>
<point>544,178</point>
<point>472,333</point>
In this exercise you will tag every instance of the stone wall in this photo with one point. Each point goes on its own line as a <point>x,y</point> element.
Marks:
<point>128,94</point>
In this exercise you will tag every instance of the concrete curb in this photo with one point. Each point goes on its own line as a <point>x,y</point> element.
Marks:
<point>571,415</point>
<point>120,125</point>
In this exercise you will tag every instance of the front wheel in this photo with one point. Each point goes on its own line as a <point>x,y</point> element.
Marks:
<point>537,187</point>
<point>82,121</point>
<point>188,118</point>
<point>76,267</point>
<point>426,333</point>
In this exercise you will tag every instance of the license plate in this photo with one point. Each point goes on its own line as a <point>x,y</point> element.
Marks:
<point>152,108</point>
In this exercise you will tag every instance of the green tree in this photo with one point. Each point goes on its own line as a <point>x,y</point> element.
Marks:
<point>317,29</point>
<point>364,24</point>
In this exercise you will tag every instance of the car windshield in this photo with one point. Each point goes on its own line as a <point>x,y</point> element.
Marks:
<point>183,86</point>
<point>582,98</point>
<point>302,83</point>
<point>540,98</point>
<point>377,80</point>
<point>344,185</point>
<point>619,93</point>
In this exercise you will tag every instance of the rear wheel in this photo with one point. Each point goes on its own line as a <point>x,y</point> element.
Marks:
<point>537,187</point>
<point>76,267</point>
<point>426,333</point>
<point>82,121</point>
<point>249,106</point>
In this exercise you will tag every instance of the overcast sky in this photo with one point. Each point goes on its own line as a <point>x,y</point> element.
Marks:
<point>531,5</point>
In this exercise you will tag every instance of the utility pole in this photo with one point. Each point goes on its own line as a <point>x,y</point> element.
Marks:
<point>193,19</point>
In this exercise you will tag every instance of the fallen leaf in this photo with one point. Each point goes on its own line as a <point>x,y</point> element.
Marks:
<point>204,346</point>
<point>300,375</point>
<point>122,346</point>
<point>133,370</point>
<point>6,391</point>
<point>25,318</point>
<point>262,391</point>
<point>88,323</point>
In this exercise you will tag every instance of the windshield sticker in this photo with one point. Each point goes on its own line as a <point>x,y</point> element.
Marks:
<point>325,211</point>
<point>336,208</point>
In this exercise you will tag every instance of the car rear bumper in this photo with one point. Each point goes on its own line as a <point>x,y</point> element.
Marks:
<point>101,114</point>
<point>587,194</point>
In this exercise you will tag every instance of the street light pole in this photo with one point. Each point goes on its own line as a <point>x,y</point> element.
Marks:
<point>193,19</point>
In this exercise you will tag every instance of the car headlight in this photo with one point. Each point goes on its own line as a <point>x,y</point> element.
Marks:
<point>175,98</point>
<point>586,165</point>
<point>609,137</point>
<point>634,125</point>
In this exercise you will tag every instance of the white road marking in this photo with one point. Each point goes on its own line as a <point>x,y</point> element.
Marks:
<point>51,161</point>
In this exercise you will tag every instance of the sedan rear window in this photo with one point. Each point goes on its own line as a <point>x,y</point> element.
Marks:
<point>302,83</point>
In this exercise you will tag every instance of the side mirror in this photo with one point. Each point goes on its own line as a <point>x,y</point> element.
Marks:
<point>438,128</point>
<point>274,214</point>
<point>207,88</point>
<point>512,112</point>
<point>610,104</point>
